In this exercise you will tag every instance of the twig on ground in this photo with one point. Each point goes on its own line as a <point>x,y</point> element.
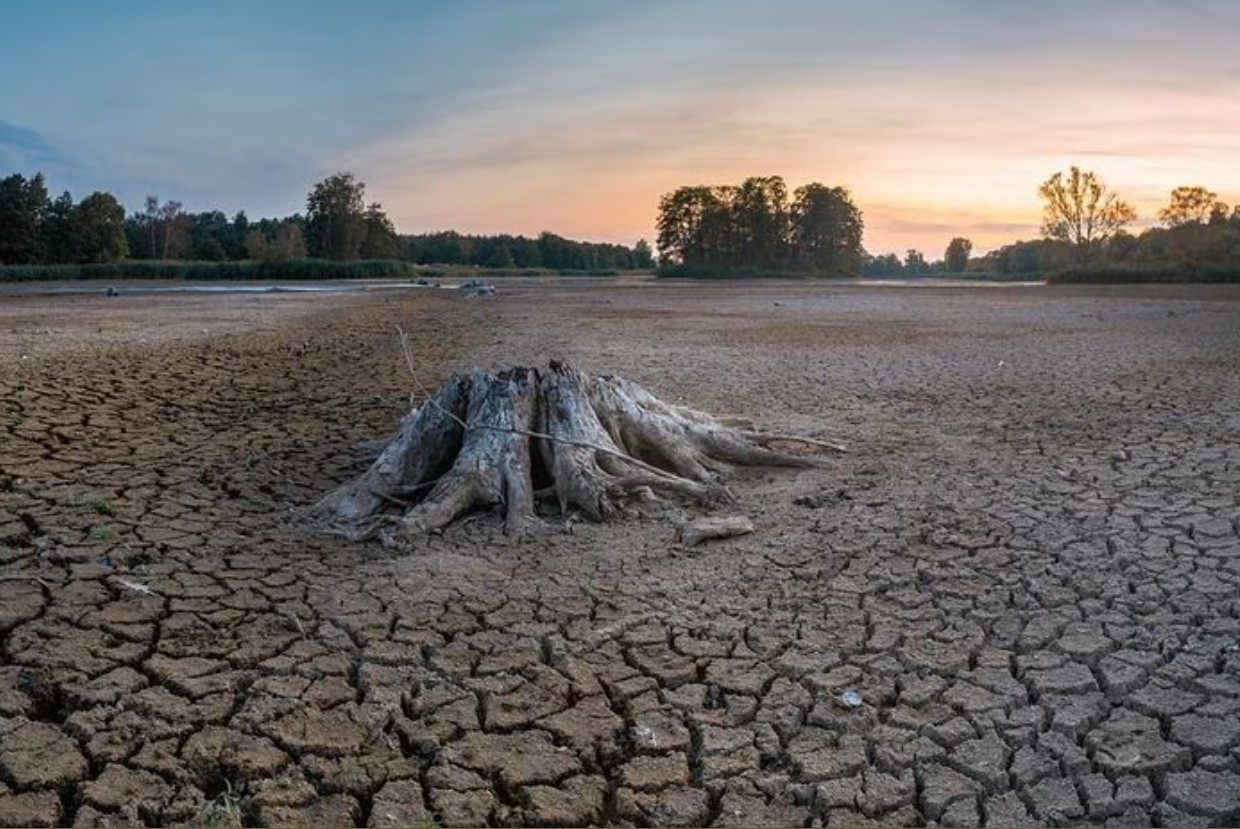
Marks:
<point>768,437</point>
<point>137,587</point>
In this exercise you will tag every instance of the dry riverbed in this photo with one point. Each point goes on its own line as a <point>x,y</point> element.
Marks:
<point>1016,601</point>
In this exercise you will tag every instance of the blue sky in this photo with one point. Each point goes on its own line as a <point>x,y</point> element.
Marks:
<point>576,116</point>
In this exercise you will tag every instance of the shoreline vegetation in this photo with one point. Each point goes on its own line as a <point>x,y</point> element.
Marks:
<point>323,270</point>
<point>291,270</point>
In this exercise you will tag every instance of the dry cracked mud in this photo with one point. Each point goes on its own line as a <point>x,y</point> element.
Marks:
<point>1027,568</point>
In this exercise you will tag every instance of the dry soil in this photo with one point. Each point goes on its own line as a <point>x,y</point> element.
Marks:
<point>1026,571</point>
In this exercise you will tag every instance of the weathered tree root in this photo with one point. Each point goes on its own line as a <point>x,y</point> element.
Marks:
<point>597,443</point>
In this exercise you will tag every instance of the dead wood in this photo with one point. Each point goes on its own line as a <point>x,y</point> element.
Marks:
<point>595,445</point>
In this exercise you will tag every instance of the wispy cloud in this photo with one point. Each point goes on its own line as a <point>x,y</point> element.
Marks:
<point>942,118</point>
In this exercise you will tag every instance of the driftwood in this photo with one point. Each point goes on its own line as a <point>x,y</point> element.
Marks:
<point>704,529</point>
<point>505,440</point>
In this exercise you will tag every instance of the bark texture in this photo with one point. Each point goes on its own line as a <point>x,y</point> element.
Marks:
<point>504,441</point>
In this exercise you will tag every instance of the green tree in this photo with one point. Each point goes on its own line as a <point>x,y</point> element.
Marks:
<point>336,217</point>
<point>23,205</point>
<point>695,227</point>
<point>379,239</point>
<point>209,236</point>
<point>759,209</point>
<point>956,257</point>
<point>58,242</point>
<point>285,243</point>
<point>915,263</point>
<point>1081,211</point>
<point>643,258</point>
<point>99,221</point>
<point>887,264</point>
<point>826,230</point>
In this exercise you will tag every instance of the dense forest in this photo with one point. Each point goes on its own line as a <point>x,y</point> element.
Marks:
<point>339,225</point>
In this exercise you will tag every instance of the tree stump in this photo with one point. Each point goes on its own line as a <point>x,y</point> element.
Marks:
<point>507,440</point>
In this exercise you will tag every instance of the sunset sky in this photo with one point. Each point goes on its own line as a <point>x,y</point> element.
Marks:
<point>941,117</point>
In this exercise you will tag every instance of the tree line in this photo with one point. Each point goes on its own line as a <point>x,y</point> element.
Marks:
<point>1084,231</point>
<point>1085,234</point>
<point>338,225</point>
<point>754,227</point>
<point>506,251</point>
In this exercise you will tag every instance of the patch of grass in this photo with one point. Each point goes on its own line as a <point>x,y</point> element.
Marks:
<point>224,809</point>
<point>145,269</point>
<point>103,532</point>
<point>98,505</point>
<point>1137,274</point>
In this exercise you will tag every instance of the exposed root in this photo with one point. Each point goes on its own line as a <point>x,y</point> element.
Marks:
<point>597,444</point>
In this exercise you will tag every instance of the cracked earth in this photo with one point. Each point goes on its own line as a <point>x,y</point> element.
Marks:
<point>1027,568</point>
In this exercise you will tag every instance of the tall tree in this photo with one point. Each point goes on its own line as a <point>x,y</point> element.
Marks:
<point>23,206</point>
<point>956,257</point>
<point>697,227</point>
<point>379,239</point>
<point>335,217</point>
<point>1191,205</point>
<point>58,239</point>
<point>1081,211</point>
<point>915,263</point>
<point>173,230</point>
<point>642,256</point>
<point>100,224</point>
<point>826,230</point>
<point>760,218</point>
